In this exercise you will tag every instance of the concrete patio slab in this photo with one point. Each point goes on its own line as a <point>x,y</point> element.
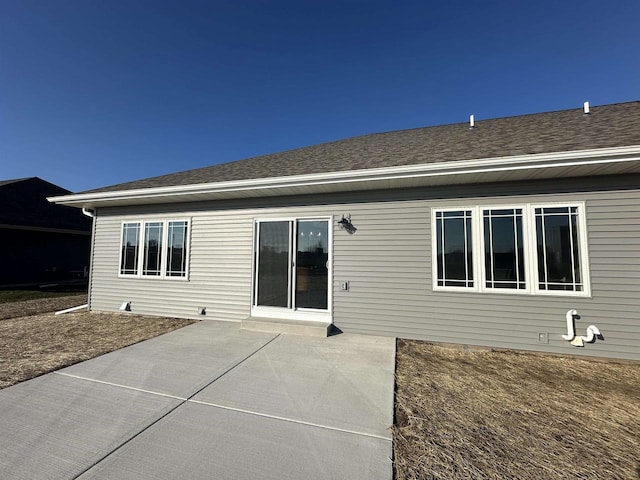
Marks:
<point>178,363</point>
<point>343,381</point>
<point>55,427</point>
<point>202,442</point>
<point>208,401</point>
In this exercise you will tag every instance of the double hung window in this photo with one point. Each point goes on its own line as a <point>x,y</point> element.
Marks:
<point>539,249</point>
<point>154,248</point>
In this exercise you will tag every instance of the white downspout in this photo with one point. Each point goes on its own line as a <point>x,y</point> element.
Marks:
<point>88,213</point>
<point>571,331</point>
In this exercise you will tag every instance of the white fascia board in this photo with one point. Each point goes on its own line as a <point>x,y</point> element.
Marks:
<point>461,167</point>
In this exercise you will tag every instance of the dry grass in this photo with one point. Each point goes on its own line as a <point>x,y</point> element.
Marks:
<point>7,296</point>
<point>24,308</point>
<point>507,415</point>
<point>37,344</point>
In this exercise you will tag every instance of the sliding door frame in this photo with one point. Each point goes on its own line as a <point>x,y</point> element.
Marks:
<point>291,312</point>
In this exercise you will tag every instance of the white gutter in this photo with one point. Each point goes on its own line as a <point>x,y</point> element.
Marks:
<point>476,166</point>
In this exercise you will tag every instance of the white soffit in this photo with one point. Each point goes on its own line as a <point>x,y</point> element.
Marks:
<point>608,161</point>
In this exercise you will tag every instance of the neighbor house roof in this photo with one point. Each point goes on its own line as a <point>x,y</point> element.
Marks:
<point>526,141</point>
<point>24,205</point>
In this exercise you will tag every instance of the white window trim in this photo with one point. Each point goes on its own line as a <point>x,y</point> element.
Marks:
<point>528,234</point>
<point>529,247</point>
<point>163,255</point>
<point>434,249</point>
<point>122,224</point>
<point>584,250</point>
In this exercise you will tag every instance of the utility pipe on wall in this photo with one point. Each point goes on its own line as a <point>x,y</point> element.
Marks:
<point>571,331</point>
<point>592,331</point>
<point>579,341</point>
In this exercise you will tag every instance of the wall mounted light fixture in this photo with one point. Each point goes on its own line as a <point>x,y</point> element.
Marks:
<point>345,220</point>
<point>345,224</point>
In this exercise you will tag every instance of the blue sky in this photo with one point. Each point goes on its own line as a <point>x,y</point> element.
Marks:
<point>94,93</point>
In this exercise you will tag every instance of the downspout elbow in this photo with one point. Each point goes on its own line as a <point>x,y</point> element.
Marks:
<point>592,333</point>
<point>89,212</point>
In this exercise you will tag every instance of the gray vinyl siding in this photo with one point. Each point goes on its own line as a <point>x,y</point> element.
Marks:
<point>220,262</point>
<point>387,263</point>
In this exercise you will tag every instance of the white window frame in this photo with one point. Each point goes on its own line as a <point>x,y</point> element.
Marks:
<point>527,234</point>
<point>292,312</point>
<point>530,250</point>
<point>163,255</point>
<point>187,247</point>
<point>583,248</point>
<point>122,233</point>
<point>474,247</point>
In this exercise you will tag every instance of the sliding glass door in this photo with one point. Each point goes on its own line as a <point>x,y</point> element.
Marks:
<point>312,259</point>
<point>273,264</point>
<point>291,268</point>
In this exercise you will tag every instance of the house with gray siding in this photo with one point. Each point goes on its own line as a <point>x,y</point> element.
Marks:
<point>519,232</point>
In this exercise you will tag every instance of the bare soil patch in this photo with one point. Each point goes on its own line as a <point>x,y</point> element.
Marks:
<point>482,414</point>
<point>37,344</point>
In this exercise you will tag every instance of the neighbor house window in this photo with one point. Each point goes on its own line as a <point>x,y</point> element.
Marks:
<point>157,248</point>
<point>539,249</point>
<point>454,248</point>
<point>558,249</point>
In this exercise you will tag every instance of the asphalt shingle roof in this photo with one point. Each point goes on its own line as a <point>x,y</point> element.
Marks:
<point>606,126</point>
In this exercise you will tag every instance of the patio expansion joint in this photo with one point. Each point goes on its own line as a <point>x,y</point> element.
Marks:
<point>151,392</point>
<point>291,420</point>
<point>171,410</point>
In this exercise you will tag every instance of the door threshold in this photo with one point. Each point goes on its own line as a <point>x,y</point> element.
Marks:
<point>308,328</point>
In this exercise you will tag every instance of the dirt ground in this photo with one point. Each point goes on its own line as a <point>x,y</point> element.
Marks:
<point>40,305</point>
<point>480,414</point>
<point>31,345</point>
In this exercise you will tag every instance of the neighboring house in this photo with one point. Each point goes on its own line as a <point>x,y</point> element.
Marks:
<point>484,236</point>
<point>41,242</point>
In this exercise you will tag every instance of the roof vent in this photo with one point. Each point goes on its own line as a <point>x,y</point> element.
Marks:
<point>586,108</point>
<point>472,121</point>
